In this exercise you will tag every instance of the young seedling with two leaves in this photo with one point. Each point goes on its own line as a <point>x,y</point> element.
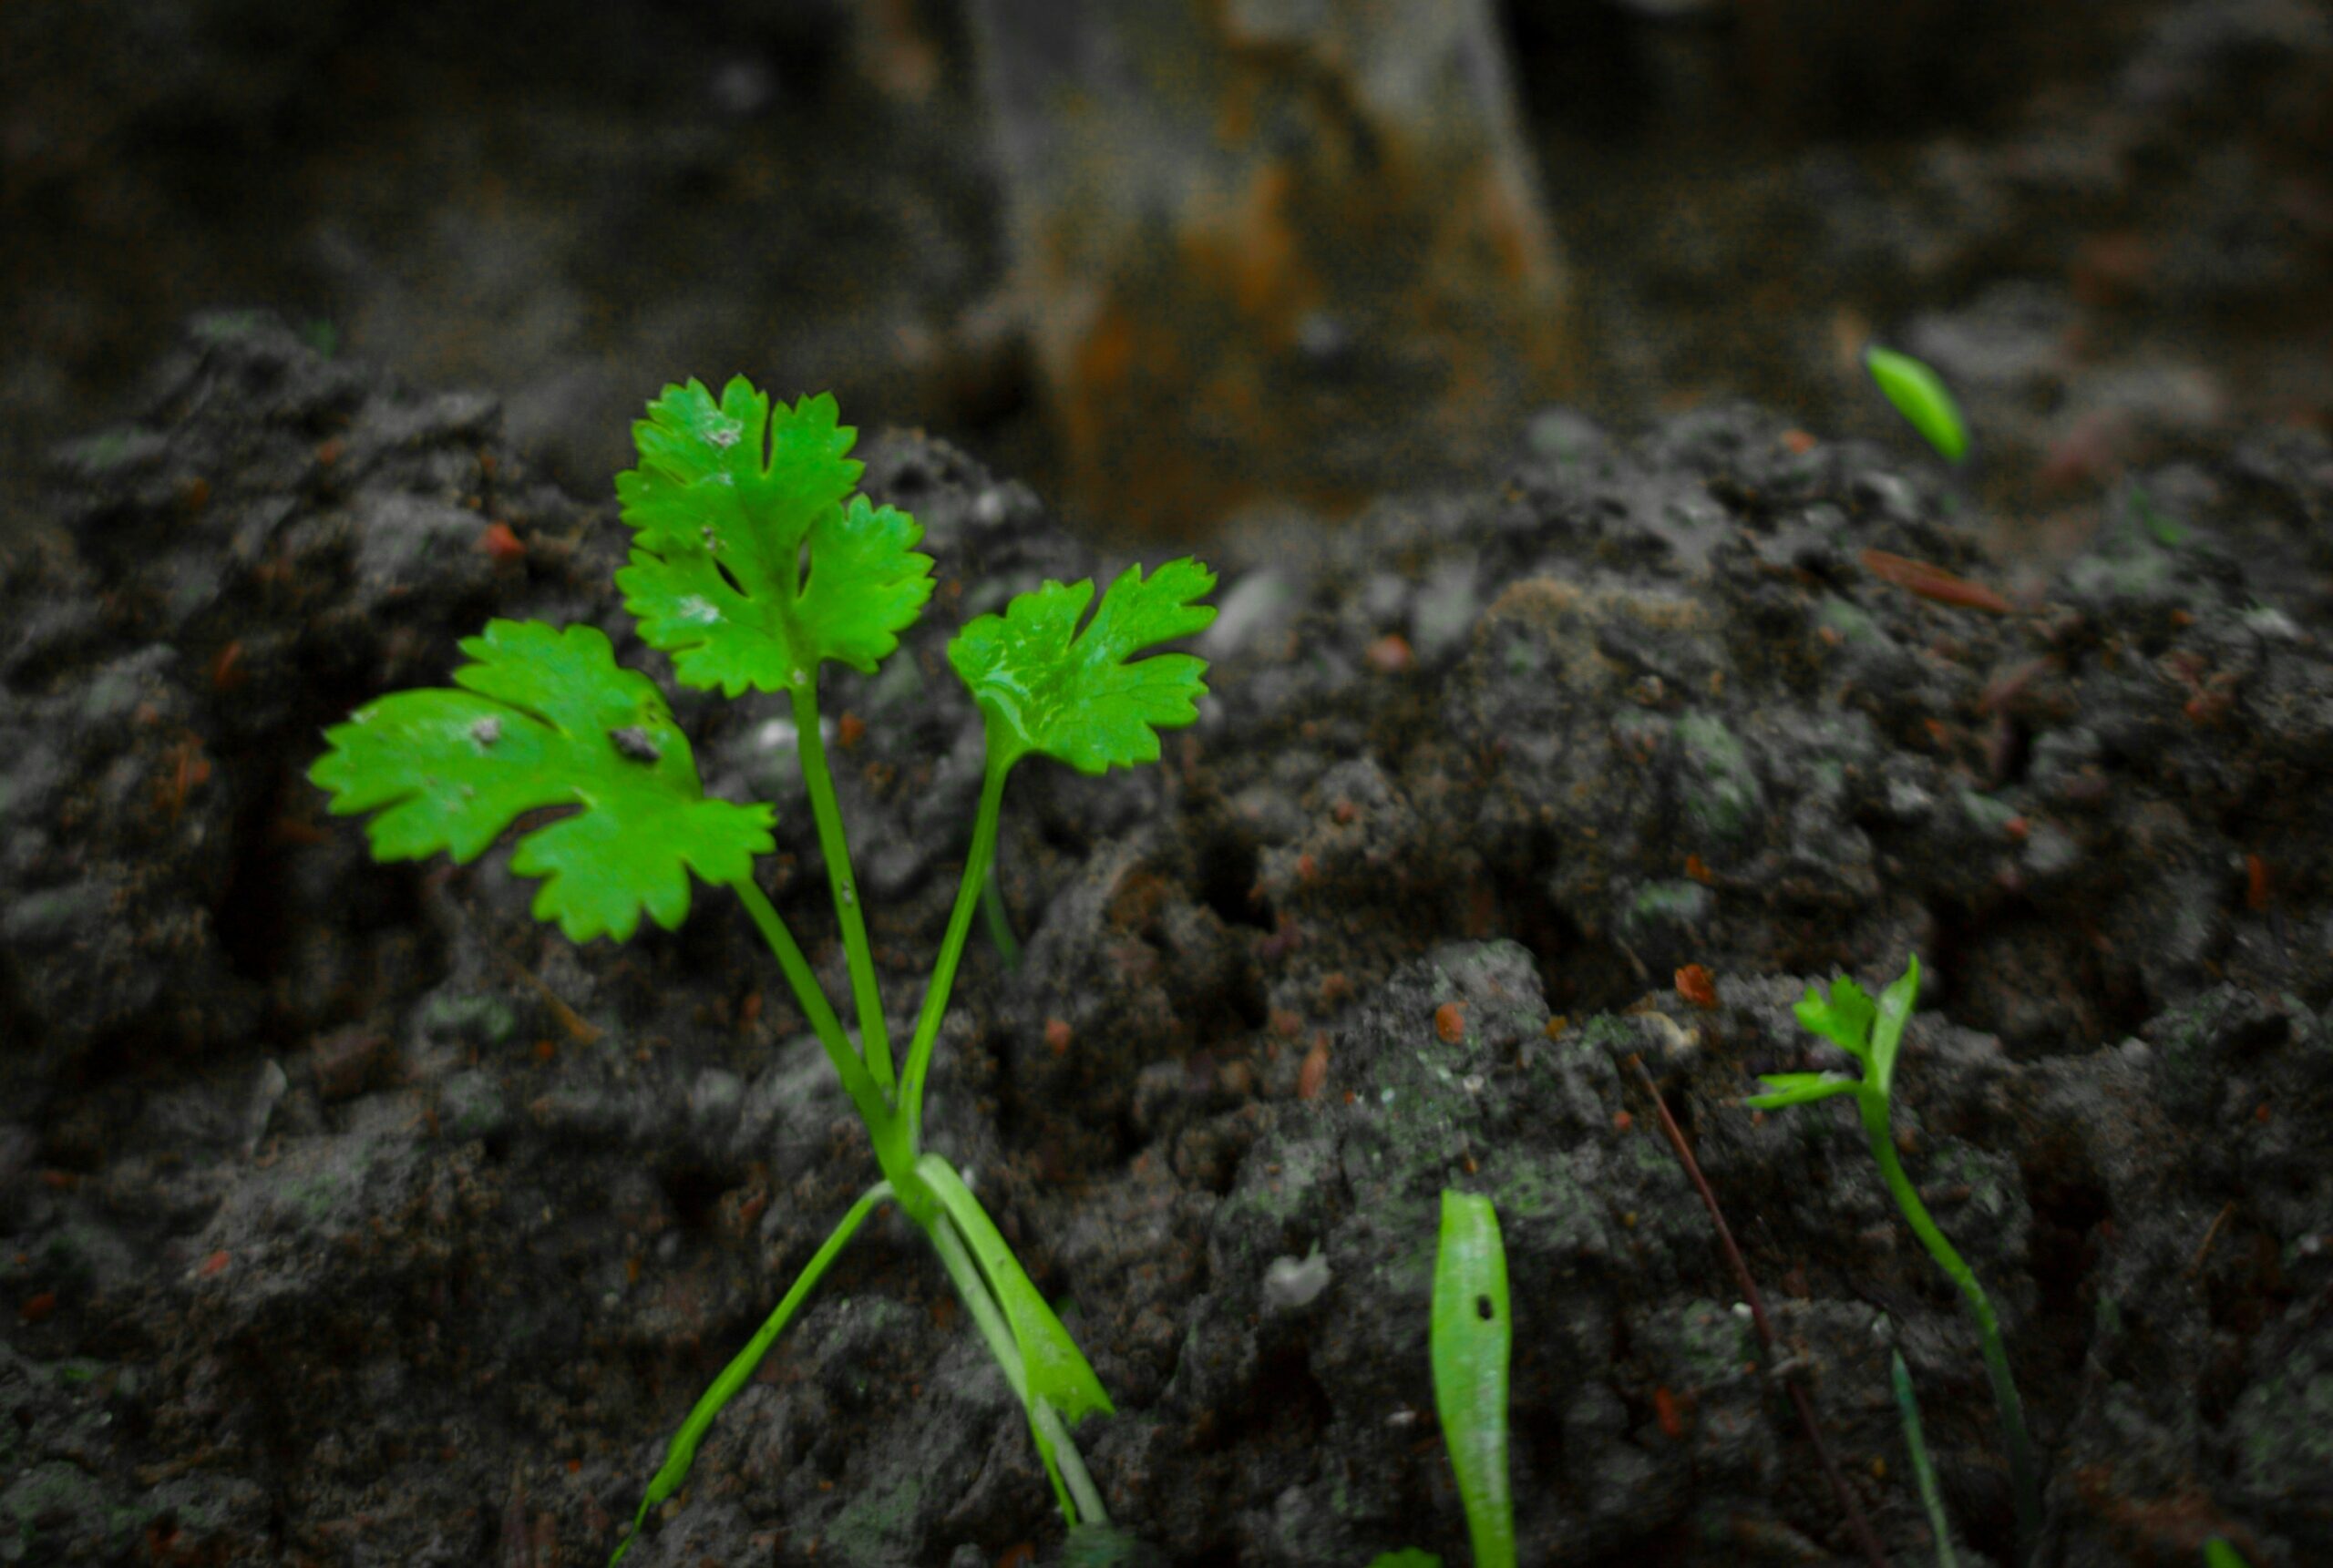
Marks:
<point>754,564</point>
<point>1873,1034</point>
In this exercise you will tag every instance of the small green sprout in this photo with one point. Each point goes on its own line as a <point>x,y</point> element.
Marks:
<point>2219,1552</point>
<point>1473,1337</point>
<point>754,565</point>
<point>1920,395</point>
<point>1872,1035</point>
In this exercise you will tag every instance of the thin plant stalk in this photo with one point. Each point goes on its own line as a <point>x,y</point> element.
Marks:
<point>2022,1472</point>
<point>999,920</point>
<point>834,848</point>
<point>857,1081</point>
<point>1873,1034</point>
<point>1083,1501</point>
<point>680,1452</point>
<point>1907,1403</point>
<point>952,949</point>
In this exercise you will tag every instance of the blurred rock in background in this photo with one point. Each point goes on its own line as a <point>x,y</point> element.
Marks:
<point>1168,258</point>
<point>1286,247</point>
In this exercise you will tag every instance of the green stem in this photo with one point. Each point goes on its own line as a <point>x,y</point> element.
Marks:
<point>681,1454</point>
<point>986,1315</point>
<point>856,1081</point>
<point>952,948</point>
<point>2024,1479</point>
<point>1907,1404</point>
<point>999,921</point>
<point>1085,1498</point>
<point>1074,1473</point>
<point>835,849</point>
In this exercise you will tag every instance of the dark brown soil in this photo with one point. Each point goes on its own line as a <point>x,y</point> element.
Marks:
<point>354,1218</point>
<point>349,1216</point>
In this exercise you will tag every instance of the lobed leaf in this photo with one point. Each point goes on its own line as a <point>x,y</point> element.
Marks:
<point>1843,1017</point>
<point>1044,685</point>
<point>544,719</point>
<point>752,561</point>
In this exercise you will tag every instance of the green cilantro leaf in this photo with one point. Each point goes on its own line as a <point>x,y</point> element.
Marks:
<point>1843,1018</point>
<point>545,718</point>
<point>1870,1032</point>
<point>1045,686</point>
<point>730,503</point>
<point>688,441</point>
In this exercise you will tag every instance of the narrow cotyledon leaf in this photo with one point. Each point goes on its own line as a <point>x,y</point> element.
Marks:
<point>1472,1340</point>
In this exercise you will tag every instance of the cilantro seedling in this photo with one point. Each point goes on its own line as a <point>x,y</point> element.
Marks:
<point>754,565</point>
<point>1873,1034</point>
<point>1920,395</point>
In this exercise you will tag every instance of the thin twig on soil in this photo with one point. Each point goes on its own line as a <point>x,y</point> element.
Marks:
<point>2203,1248</point>
<point>579,1029</point>
<point>1858,1521</point>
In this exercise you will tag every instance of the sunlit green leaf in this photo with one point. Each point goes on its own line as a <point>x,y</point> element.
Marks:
<point>1887,1032</point>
